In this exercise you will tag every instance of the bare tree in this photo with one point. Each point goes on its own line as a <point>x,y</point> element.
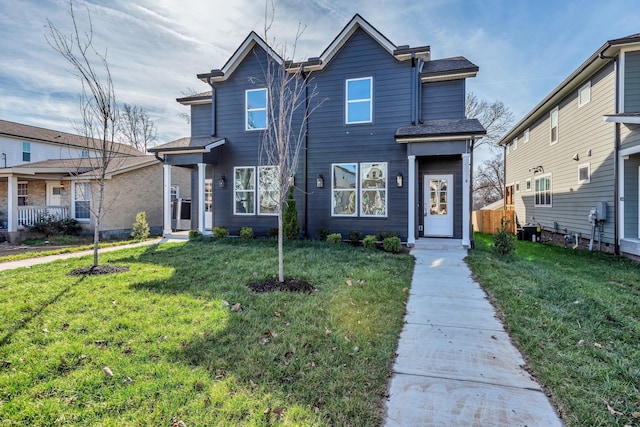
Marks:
<point>494,116</point>
<point>137,127</point>
<point>288,100</point>
<point>99,112</point>
<point>488,181</point>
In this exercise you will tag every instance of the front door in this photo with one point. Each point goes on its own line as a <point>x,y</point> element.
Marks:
<point>438,205</point>
<point>208,204</point>
<point>54,193</point>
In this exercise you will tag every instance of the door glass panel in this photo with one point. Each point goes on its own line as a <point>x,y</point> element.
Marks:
<point>208,196</point>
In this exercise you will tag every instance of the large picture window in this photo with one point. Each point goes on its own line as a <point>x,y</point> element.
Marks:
<point>82,200</point>
<point>343,183</point>
<point>244,189</point>
<point>373,188</point>
<point>256,109</point>
<point>359,100</point>
<point>543,193</point>
<point>268,192</point>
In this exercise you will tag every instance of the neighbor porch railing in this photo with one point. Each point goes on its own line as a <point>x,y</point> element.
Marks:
<point>29,215</point>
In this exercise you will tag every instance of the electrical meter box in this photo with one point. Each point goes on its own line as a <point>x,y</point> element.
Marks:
<point>601,211</point>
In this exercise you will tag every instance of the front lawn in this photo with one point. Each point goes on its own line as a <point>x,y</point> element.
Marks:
<point>576,318</point>
<point>164,343</point>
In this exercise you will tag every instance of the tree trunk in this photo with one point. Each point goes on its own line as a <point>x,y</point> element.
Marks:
<point>280,246</point>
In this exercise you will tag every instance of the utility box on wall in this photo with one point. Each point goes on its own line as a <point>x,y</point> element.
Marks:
<point>601,211</point>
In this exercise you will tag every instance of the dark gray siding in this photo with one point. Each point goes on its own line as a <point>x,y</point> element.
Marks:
<point>631,196</point>
<point>443,100</point>
<point>442,165</point>
<point>201,120</point>
<point>332,141</point>
<point>632,82</point>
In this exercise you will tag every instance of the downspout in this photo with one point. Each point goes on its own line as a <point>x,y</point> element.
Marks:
<point>414,90</point>
<point>472,243</point>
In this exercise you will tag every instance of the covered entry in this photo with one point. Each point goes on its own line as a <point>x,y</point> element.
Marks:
<point>438,208</point>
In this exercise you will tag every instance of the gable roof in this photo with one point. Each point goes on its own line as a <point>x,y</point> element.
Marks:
<point>201,144</point>
<point>33,133</point>
<point>82,168</point>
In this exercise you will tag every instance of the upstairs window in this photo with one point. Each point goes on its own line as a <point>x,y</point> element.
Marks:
<point>515,143</point>
<point>553,118</point>
<point>526,135</point>
<point>359,100</point>
<point>256,109</point>
<point>85,154</point>
<point>584,94</point>
<point>26,151</point>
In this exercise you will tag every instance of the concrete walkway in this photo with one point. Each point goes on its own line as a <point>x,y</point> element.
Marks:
<point>456,365</point>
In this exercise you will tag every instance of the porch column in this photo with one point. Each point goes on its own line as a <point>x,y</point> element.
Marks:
<point>166,200</point>
<point>201,177</point>
<point>466,199</point>
<point>411,235</point>
<point>12,204</point>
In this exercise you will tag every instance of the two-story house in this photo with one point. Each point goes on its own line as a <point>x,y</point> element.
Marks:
<point>578,150</point>
<point>47,172</point>
<point>388,149</point>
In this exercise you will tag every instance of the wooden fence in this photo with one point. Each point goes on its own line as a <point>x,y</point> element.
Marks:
<point>489,221</point>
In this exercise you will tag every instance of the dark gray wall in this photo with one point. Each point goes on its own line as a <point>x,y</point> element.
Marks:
<point>443,100</point>
<point>632,82</point>
<point>201,120</point>
<point>631,196</point>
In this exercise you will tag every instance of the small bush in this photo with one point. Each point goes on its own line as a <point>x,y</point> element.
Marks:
<point>355,236</point>
<point>220,232</point>
<point>369,242</point>
<point>323,233</point>
<point>50,225</point>
<point>246,232</point>
<point>392,244</point>
<point>334,238</point>
<point>273,232</point>
<point>290,226</point>
<point>381,235</point>
<point>195,235</point>
<point>504,243</point>
<point>140,229</point>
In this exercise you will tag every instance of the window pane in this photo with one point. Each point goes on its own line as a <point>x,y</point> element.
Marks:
<point>82,210</point>
<point>344,189</point>
<point>344,176</point>
<point>268,190</point>
<point>344,202</point>
<point>358,89</point>
<point>256,99</point>
<point>257,119</point>
<point>359,112</point>
<point>244,189</point>
<point>373,185</point>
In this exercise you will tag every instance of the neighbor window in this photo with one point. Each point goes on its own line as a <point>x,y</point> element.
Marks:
<point>373,189</point>
<point>515,144</point>
<point>526,135</point>
<point>256,109</point>
<point>553,117</point>
<point>268,192</point>
<point>82,200</point>
<point>543,190</point>
<point>244,189</point>
<point>527,185</point>
<point>175,192</point>
<point>584,94</point>
<point>584,173</point>
<point>22,194</point>
<point>26,151</point>
<point>359,100</point>
<point>85,154</point>
<point>517,186</point>
<point>343,184</point>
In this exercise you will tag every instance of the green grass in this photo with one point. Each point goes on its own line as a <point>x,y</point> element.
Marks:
<point>177,352</point>
<point>576,318</point>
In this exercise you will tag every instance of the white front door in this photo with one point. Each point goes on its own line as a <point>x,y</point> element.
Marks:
<point>438,205</point>
<point>54,193</point>
<point>208,204</point>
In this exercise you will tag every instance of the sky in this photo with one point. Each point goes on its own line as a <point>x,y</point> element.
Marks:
<point>155,48</point>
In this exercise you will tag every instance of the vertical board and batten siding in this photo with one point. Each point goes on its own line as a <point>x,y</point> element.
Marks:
<point>201,120</point>
<point>443,100</point>
<point>632,82</point>
<point>333,141</point>
<point>40,151</point>
<point>442,165</point>
<point>580,130</point>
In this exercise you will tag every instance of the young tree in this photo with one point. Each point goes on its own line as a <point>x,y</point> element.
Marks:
<point>98,108</point>
<point>496,118</point>
<point>488,181</point>
<point>137,127</point>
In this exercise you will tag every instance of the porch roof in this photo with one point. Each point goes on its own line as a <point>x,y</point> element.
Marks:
<point>196,144</point>
<point>629,118</point>
<point>457,67</point>
<point>81,168</point>
<point>441,130</point>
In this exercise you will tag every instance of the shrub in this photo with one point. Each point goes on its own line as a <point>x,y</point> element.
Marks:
<point>273,232</point>
<point>290,227</point>
<point>195,235</point>
<point>140,229</point>
<point>381,235</point>
<point>369,241</point>
<point>392,244</point>
<point>334,238</point>
<point>323,233</point>
<point>50,225</point>
<point>504,243</point>
<point>220,232</point>
<point>246,232</point>
<point>355,236</point>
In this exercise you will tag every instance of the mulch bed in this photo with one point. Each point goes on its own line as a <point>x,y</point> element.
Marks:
<point>289,285</point>
<point>97,270</point>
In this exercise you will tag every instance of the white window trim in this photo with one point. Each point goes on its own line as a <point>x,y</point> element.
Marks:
<point>587,87</point>
<point>248,110</point>
<point>526,135</point>
<point>73,201</point>
<point>550,205</point>
<point>356,190</point>
<point>259,191</point>
<point>254,191</point>
<point>527,186</point>
<point>360,100</point>
<point>588,180</point>
<point>515,143</point>
<point>386,191</point>
<point>557,112</point>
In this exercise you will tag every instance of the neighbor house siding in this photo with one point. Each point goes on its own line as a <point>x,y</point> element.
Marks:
<point>201,120</point>
<point>632,82</point>
<point>581,132</point>
<point>40,151</point>
<point>443,100</point>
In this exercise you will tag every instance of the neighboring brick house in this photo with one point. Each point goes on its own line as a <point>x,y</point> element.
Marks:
<point>579,149</point>
<point>44,171</point>
<point>389,149</point>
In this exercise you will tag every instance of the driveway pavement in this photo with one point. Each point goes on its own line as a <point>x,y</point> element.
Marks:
<point>456,365</point>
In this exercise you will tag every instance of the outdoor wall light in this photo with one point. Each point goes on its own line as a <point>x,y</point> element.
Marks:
<point>320,181</point>
<point>222,181</point>
<point>399,179</point>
